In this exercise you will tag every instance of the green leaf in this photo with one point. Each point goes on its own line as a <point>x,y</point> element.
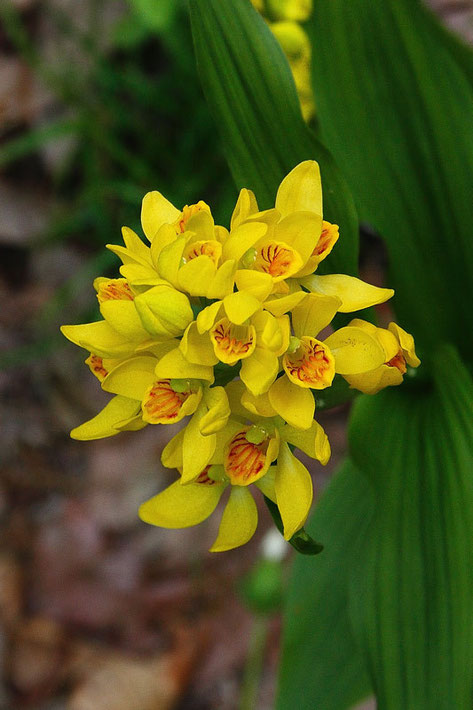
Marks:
<point>251,92</point>
<point>412,594</point>
<point>301,541</point>
<point>394,97</point>
<point>321,668</point>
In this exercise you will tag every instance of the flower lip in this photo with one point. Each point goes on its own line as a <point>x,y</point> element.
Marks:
<point>311,365</point>
<point>163,405</point>
<point>232,342</point>
<point>96,366</point>
<point>210,248</point>
<point>277,259</point>
<point>114,290</point>
<point>188,211</point>
<point>326,240</point>
<point>246,462</point>
<point>398,361</point>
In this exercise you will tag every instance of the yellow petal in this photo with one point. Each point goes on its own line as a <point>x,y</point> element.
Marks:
<point>280,305</point>
<point>170,260</point>
<point>242,239</point>
<point>156,210</point>
<point>202,224</point>
<point>354,351</point>
<point>222,283</point>
<point>166,235</point>
<point>258,405</point>
<point>246,205</point>
<point>301,231</point>
<point>406,342</point>
<point>294,492</point>
<point>195,276</point>
<point>131,378</point>
<point>269,330</point>
<point>208,316</point>
<point>164,311</point>
<point>240,306</point>
<point>173,365</point>
<point>301,190</point>
<point>314,314</point>
<point>124,318</point>
<point>197,347</point>
<point>105,422</point>
<point>294,404</point>
<point>313,442</point>
<point>136,249</point>
<point>259,371</point>
<point>218,412</point>
<point>98,338</point>
<point>256,283</point>
<point>197,449</point>
<point>266,484</point>
<point>171,455</point>
<point>181,506</point>
<point>239,521</point>
<point>354,293</point>
<point>232,342</point>
<point>375,380</point>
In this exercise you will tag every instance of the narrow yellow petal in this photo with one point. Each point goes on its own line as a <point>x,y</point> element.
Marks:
<point>156,210</point>
<point>354,293</point>
<point>354,351</point>
<point>170,259</point>
<point>216,401</point>
<point>166,235</point>
<point>266,484</point>
<point>239,521</point>
<point>171,455</point>
<point>375,380</point>
<point>294,491</point>
<point>197,347</point>
<point>240,306</point>
<point>280,305</point>
<point>314,314</point>
<point>301,189</point>
<point>124,318</point>
<point>98,338</point>
<point>256,283</point>
<point>294,404</point>
<point>208,316</point>
<point>406,342</point>
<point>246,205</point>
<point>105,422</point>
<point>242,239</point>
<point>313,442</point>
<point>259,371</point>
<point>258,405</point>
<point>197,449</point>
<point>132,377</point>
<point>222,283</point>
<point>181,506</point>
<point>173,365</point>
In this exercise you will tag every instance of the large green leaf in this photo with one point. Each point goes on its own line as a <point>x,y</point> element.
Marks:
<point>321,668</point>
<point>251,92</point>
<point>412,594</point>
<point>395,102</point>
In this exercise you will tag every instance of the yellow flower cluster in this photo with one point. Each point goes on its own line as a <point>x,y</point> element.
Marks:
<point>283,18</point>
<point>223,326</point>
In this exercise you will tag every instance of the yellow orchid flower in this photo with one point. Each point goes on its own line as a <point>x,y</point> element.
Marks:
<point>399,351</point>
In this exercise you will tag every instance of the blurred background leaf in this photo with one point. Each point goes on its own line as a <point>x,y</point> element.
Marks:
<point>251,92</point>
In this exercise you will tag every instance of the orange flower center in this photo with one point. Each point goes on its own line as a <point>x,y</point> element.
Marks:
<point>212,249</point>
<point>232,342</point>
<point>327,239</point>
<point>115,290</point>
<point>311,365</point>
<point>161,404</point>
<point>244,461</point>
<point>276,259</point>
<point>95,364</point>
<point>398,361</point>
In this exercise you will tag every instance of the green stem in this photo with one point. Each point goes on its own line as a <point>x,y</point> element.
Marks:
<point>254,664</point>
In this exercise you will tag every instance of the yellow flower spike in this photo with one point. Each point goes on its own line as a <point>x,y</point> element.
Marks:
<point>354,351</point>
<point>294,492</point>
<point>314,314</point>
<point>156,211</point>
<point>354,293</point>
<point>259,371</point>
<point>197,448</point>
<point>240,306</point>
<point>169,401</point>
<point>164,312</point>
<point>99,338</point>
<point>327,240</point>
<point>243,238</point>
<point>301,190</point>
<point>119,411</point>
<point>173,365</point>
<point>310,365</point>
<point>313,441</point>
<point>182,506</point>
<point>239,521</point>
<point>255,283</point>
<point>232,342</point>
<point>245,207</point>
<point>295,404</point>
<point>245,462</point>
<point>218,413</point>
<point>197,347</point>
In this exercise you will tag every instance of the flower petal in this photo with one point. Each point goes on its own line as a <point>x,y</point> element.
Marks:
<point>222,283</point>
<point>256,283</point>
<point>181,506</point>
<point>195,276</point>
<point>259,370</point>
<point>156,210</point>
<point>243,238</point>
<point>240,306</point>
<point>197,347</point>
<point>171,455</point>
<point>294,404</point>
<point>98,338</point>
<point>218,413</point>
<point>174,365</point>
<point>280,305</point>
<point>301,190</point>
<point>105,423</point>
<point>197,449</point>
<point>294,491</point>
<point>354,293</point>
<point>301,231</point>
<point>239,521</point>
<point>375,380</point>
<point>354,351</point>
<point>406,342</point>
<point>132,377</point>
<point>164,311</point>
<point>266,484</point>
<point>246,205</point>
<point>313,442</point>
<point>314,314</point>
<point>169,260</point>
<point>124,318</point>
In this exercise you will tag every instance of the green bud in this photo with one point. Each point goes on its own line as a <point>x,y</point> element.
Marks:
<point>256,435</point>
<point>248,258</point>
<point>294,344</point>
